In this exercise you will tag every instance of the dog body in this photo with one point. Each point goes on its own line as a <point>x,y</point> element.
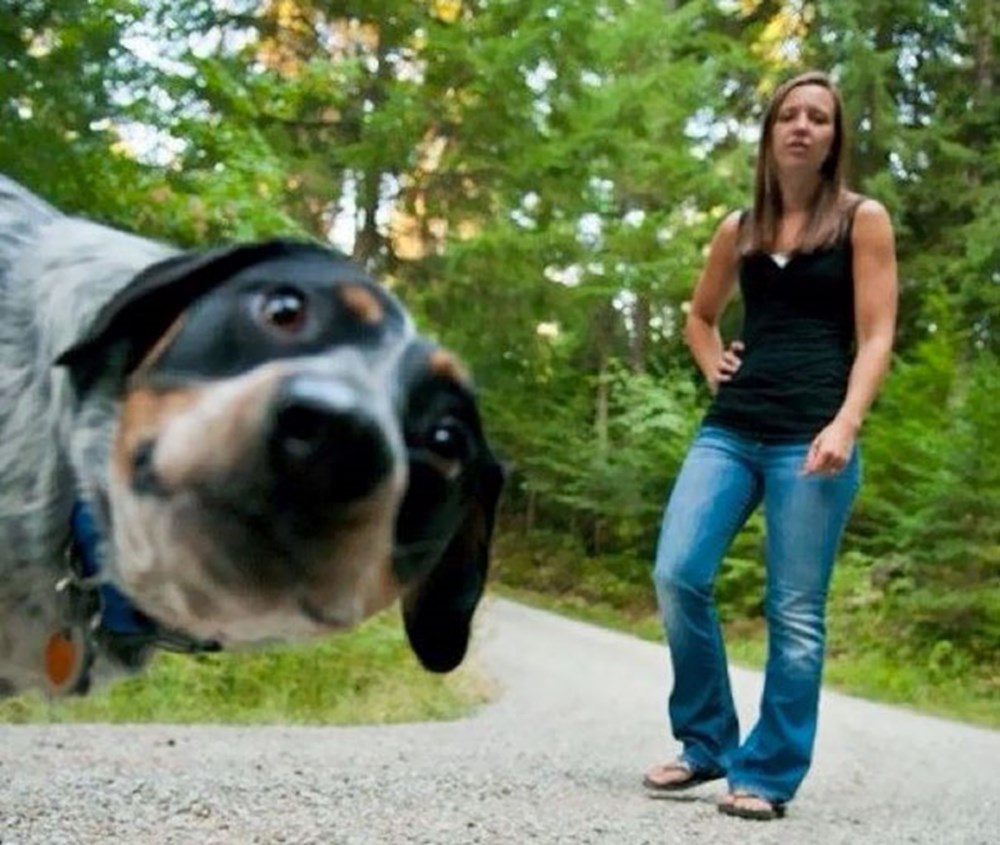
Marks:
<point>263,445</point>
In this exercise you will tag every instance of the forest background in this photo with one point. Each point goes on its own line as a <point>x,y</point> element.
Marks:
<point>538,180</point>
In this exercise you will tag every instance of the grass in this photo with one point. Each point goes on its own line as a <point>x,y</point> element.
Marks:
<point>850,666</point>
<point>368,676</point>
<point>371,677</point>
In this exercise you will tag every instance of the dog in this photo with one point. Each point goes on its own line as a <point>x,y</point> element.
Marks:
<point>221,448</point>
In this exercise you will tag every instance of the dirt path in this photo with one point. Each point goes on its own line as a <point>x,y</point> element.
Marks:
<point>556,759</point>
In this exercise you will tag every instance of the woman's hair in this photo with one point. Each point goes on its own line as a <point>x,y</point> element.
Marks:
<point>828,215</point>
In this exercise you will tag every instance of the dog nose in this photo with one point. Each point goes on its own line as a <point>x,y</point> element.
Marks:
<point>325,447</point>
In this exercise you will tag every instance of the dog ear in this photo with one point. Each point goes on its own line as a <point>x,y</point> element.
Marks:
<point>437,612</point>
<point>134,319</point>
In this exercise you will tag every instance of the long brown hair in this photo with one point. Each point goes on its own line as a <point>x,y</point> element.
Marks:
<point>829,212</point>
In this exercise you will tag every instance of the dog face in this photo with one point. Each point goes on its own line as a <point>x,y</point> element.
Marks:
<point>289,455</point>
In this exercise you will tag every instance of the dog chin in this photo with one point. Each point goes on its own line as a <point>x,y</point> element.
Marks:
<point>280,626</point>
<point>235,619</point>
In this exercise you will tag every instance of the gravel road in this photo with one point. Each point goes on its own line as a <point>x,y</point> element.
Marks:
<point>557,758</point>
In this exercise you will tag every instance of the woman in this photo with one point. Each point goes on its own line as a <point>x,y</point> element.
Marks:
<point>816,266</point>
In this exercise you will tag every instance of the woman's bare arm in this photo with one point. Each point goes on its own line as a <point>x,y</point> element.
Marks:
<point>713,290</point>
<point>875,296</point>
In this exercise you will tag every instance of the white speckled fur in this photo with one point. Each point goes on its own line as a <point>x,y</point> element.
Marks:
<point>56,273</point>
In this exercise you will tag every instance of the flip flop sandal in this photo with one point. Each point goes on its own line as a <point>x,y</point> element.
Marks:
<point>731,807</point>
<point>694,777</point>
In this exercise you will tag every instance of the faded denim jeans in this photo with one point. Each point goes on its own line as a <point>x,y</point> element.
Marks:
<point>725,476</point>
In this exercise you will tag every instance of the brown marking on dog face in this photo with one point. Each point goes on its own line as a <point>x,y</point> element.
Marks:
<point>444,363</point>
<point>197,432</point>
<point>181,570</point>
<point>144,414</point>
<point>362,303</point>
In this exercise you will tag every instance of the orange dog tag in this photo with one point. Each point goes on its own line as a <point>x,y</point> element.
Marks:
<point>65,660</point>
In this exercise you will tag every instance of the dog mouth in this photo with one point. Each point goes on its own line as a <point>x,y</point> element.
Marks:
<point>328,620</point>
<point>249,554</point>
<point>235,604</point>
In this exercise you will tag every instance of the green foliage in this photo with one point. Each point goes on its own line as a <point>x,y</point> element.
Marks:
<point>930,512</point>
<point>619,486</point>
<point>59,73</point>
<point>896,635</point>
<point>537,179</point>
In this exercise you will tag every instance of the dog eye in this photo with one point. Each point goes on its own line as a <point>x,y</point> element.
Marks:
<point>451,440</point>
<point>283,309</point>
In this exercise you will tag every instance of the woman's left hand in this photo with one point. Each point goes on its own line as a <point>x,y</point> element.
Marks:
<point>830,450</point>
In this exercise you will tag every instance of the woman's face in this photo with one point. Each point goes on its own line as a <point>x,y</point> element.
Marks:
<point>803,130</point>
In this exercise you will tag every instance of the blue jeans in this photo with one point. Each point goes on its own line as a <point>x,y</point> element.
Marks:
<point>724,477</point>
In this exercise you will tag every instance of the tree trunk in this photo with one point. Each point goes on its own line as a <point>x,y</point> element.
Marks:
<point>368,240</point>
<point>984,24</point>
<point>640,338</point>
<point>602,401</point>
<point>602,343</point>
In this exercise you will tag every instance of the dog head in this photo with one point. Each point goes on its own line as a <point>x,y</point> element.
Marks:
<point>289,456</point>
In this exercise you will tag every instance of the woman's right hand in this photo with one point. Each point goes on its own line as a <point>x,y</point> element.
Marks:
<point>725,367</point>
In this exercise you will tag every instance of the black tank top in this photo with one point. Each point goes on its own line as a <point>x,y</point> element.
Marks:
<point>798,332</point>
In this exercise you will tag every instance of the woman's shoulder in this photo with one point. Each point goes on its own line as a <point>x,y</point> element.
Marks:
<point>732,220</point>
<point>730,225</point>
<point>865,208</point>
<point>723,250</point>
<point>727,231</point>
<point>870,224</point>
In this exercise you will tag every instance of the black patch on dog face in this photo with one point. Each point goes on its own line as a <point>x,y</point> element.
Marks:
<point>446,451</point>
<point>445,523</point>
<point>281,308</point>
<point>201,318</point>
<point>138,317</point>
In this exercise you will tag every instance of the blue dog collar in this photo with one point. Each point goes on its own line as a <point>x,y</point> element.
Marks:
<point>117,614</point>
<point>99,616</point>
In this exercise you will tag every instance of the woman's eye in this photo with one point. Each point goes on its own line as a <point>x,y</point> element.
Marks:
<point>450,440</point>
<point>283,309</point>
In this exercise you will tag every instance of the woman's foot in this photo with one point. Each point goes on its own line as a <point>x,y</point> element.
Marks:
<point>746,805</point>
<point>677,775</point>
